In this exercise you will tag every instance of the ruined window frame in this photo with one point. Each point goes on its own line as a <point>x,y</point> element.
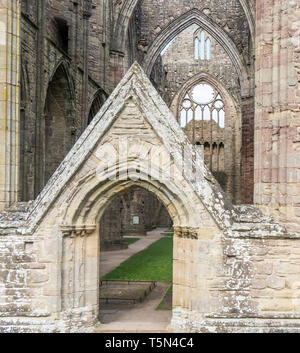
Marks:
<point>192,110</point>
<point>202,44</point>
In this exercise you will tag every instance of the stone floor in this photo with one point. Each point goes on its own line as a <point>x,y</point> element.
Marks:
<point>141,317</point>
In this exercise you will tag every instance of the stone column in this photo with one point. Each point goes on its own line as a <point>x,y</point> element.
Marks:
<point>277,115</point>
<point>9,100</point>
<point>77,257</point>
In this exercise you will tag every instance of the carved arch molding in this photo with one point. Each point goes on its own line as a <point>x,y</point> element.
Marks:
<point>127,8</point>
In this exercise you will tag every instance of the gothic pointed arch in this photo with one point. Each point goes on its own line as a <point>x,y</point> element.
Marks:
<point>122,20</point>
<point>97,101</point>
<point>212,120</point>
<point>64,66</point>
<point>191,17</point>
<point>59,127</point>
<point>126,9</point>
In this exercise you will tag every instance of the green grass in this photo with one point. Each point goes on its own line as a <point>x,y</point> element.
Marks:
<point>151,264</point>
<point>130,241</point>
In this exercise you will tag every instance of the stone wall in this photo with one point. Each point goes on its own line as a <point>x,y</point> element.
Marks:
<point>234,269</point>
<point>229,15</point>
<point>180,67</point>
<point>260,281</point>
<point>179,63</point>
<point>277,117</point>
<point>9,101</point>
<point>43,55</point>
<point>111,235</point>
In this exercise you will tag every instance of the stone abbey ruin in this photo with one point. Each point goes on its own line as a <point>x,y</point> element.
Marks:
<point>119,117</point>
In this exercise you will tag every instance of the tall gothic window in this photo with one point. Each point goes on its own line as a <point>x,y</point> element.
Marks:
<point>96,105</point>
<point>202,116</point>
<point>202,45</point>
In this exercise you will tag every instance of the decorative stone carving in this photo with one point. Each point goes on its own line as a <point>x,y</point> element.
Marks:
<point>186,232</point>
<point>217,247</point>
<point>77,231</point>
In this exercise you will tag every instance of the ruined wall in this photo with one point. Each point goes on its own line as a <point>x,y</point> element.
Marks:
<point>179,63</point>
<point>148,211</point>
<point>277,122</point>
<point>111,236</point>
<point>57,35</point>
<point>235,270</point>
<point>133,213</point>
<point>10,101</point>
<point>259,280</point>
<point>96,54</point>
<point>229,15</point>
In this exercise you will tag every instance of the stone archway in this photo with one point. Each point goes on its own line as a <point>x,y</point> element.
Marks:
<point>59,130</point>
<point>191,17</point>
<point>80,279</point>
<point>65,217</point>
<point>221,251</point>
<point>126,8</point>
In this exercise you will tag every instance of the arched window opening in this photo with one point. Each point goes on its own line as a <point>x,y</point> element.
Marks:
<point>202,45</point>
<point>221,158</point>
<point>62,33</point>
<point>207,153</point>
<point>207,49</point>
<point>60,131</point>
<point>203,103</point>
<point>202,116</point>
<point>196,48</point>
<point>96,105</point>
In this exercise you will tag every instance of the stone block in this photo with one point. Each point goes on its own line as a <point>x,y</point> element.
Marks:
<point>275,282</point>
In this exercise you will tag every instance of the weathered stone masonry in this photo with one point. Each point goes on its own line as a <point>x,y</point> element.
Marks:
<point>235,270</point>
<point>277,161</point>
<point>58,40</point>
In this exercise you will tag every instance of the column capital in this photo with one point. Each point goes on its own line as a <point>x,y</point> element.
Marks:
<point>186,232</point>
<point>77,231</point>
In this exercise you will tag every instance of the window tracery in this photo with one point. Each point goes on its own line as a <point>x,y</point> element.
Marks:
<point>202,116</point>
<point>202,45</point>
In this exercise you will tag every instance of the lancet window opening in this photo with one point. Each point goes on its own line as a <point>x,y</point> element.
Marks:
<point>202,45</point>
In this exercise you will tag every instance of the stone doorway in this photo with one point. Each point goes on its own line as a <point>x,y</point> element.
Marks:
<point>220,250</point>
<point>135,267</point>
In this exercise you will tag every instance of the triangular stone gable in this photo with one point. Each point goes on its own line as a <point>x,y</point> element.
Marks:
<point>135,87</point>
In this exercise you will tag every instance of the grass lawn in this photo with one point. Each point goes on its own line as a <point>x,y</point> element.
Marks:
<point>151,264</point>
<point>130,241</point>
